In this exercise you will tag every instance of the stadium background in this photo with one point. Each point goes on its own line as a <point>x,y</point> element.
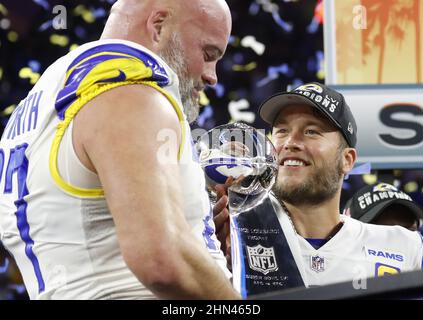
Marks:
<point>273,45</point>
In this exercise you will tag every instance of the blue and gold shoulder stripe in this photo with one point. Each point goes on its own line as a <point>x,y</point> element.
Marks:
<point>105,64</point>
<point>97,70</point>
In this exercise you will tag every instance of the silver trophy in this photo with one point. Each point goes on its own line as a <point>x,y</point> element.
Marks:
<point>258,245</point>
<point>244,153</point>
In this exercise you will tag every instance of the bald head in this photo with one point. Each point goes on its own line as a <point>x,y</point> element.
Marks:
<point>129,19</point>
<point>191,36</point>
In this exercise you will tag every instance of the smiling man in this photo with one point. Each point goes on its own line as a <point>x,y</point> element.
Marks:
<point>88,208</point>
<point>315,134</point>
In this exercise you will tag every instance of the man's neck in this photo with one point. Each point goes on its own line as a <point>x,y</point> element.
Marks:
<point>316,221</point>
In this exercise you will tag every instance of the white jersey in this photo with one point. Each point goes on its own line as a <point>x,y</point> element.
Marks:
<point>53,216</point>
<point>356,252</point>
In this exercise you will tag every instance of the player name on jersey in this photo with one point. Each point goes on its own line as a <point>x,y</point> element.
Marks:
<point>25,116</point>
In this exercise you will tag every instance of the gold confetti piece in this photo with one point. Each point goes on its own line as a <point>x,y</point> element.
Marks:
<point>86,14</point>
<point>3,9</point>
<point>73,46</point>
<point>320,75</point>
<point>12,36</point>
<point>88,17</point>
<point>411,187</point>
<point>62,41</point>
<point>8,110</point>
<point>27,73</point>
<point>370,178</point>
<point>204,101</point>
<point>246,68</point>
<point>1,73</point>
<point>79,10</point>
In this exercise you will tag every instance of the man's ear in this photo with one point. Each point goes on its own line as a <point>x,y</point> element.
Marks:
<point>348,159</point>
<point>155,23</point>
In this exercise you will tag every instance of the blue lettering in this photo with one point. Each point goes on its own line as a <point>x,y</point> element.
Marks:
<point>372,252</point>
<point>18,120</point>
<point>21,110</point>
<point>399,257</point>
<point>34,111</point>
<point>18,165</point>
<point>390,255</point>
<point>386,255</point>
<point>12,123</point>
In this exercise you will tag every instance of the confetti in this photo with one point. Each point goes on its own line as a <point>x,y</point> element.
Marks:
<point>205,115</point>
<point>273,73</point>
<point>273,8</point>
<point>219,88</point>
<point>19,288</point>
<point>3,10</point>
<point>59,40</point>
<point>12,36</point>
<point>99,13</point>
<point>237,114</point>
<point>85,13</point>
<point>370,178</point>
<point>251,42</point>
<point>5,24</point>
<point>34,65</point>
<point>203,99</point>
<point>46,25</point>
<point>7,111</point>
<point>234,41</point>
<point>244,68</point>
<point>27,73</point>
<point>73,46</point>
<point>411,187</point>
<point>43,3</point>
<point>254,9</point>
<point>5,267</point>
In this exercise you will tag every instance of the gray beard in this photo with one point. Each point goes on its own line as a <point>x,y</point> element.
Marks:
<point>319,188</point>
<point>173,55</point>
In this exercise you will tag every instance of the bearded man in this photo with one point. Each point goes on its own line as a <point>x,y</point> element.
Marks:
<point>315,134</point>
<point>91,207</point>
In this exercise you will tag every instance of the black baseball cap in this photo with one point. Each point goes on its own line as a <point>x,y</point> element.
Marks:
<point>370,201</point>
<point>330,102</point>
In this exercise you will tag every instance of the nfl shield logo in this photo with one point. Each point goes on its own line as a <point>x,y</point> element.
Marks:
<point>318,264</point>
<point>262,259</point>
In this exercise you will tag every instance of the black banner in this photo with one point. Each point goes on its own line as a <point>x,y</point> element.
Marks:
<point>266,261</point>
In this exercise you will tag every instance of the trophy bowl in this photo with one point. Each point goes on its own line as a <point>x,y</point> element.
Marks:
<point>244,153</point>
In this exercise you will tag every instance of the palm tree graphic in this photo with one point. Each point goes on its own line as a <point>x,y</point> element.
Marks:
<point>390,17</point>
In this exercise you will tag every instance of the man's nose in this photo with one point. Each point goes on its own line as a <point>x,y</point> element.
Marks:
<point>293,142</point>
<point>209,76</point>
